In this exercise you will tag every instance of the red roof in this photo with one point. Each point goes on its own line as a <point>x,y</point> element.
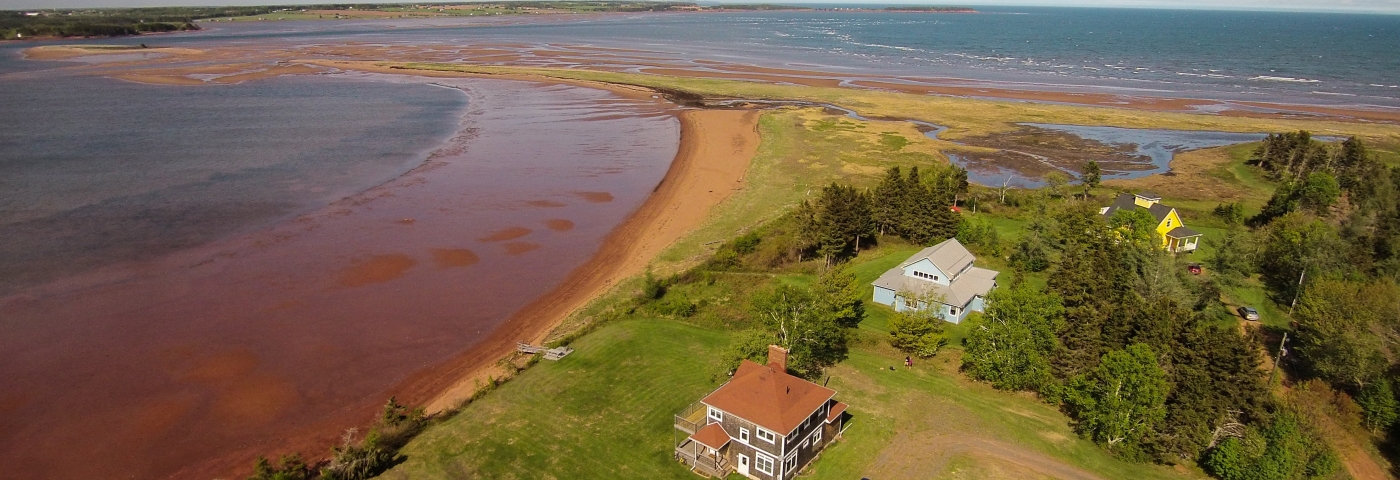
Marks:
<point>769,397</point>
<point>836,411</point>
<point>712,436</point>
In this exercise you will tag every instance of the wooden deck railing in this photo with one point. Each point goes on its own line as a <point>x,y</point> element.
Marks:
<point>691,418</point>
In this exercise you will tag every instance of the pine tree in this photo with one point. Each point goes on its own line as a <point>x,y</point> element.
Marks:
<point>886,200</point>
<point>1091,177</point>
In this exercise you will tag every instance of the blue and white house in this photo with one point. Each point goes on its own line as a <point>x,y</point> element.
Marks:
<point>943,272</point>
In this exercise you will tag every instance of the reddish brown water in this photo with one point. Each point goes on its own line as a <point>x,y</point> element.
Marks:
<point>197,360</point>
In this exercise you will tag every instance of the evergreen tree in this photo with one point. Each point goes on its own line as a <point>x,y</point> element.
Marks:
<point>886,201</point>
<point>1284,449</point>
<point>1231,259</point>
<point>1215,379</point>
<point>837,222</point>
<point>1091,177</point>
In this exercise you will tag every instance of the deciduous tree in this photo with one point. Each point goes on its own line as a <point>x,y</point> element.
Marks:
<point>1121,401</point>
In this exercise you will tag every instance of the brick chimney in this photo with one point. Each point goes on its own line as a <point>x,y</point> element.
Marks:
<point>777,358</point>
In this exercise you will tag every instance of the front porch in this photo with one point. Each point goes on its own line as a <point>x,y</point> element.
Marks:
<point>704,447</point>
<point>1188,244</point>
<point>1182,239</point>
<point>704,460</point>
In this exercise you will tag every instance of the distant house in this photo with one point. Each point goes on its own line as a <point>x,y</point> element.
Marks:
<point>945,271</point>
<point>763,423</point>
<point>1175,236</point>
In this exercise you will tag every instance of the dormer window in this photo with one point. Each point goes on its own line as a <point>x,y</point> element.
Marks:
<point>928,276</point>
<point>716,415</point>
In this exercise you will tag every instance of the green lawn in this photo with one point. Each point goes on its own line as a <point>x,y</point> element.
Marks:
<point>605,411</point>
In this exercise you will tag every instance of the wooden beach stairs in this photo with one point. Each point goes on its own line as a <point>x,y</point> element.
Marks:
<point>549,353</point>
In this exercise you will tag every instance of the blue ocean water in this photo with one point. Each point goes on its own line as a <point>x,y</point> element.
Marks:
<point>1325,58</point>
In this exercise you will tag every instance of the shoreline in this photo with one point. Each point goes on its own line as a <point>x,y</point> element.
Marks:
<point>703,174</point>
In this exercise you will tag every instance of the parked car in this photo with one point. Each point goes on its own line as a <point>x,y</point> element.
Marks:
<point>1249,313</point>
<point>1194,268</point>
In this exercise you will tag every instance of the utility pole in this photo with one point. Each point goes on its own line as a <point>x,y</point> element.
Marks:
<point>1297,291</point>
<point>1281,352</point>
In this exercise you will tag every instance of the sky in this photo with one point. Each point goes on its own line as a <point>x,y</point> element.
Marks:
<point>1371,6</point>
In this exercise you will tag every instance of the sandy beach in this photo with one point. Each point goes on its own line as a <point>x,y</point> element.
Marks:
<point>716,147</point>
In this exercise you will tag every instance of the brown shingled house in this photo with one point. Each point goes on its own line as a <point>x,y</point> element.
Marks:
<point>764,423</point>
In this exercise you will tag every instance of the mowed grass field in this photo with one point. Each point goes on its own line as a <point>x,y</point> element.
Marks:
<point>606,412</point>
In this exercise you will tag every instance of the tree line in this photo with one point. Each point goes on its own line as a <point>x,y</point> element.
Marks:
<point>1118,341</point>
<point>915,206</point>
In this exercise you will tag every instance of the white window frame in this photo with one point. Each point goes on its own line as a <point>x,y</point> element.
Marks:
<point>767,436</point>
<point>743,434</point>
<point>759,459</point>
<point>790,464</point>
<point>817,437</point>
<point>716,414</point>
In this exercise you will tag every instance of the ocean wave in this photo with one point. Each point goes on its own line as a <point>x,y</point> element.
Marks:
<point>1204,75</point>
<point>1268,78</point>
<point>1334,93</point>
<point>978,57</point>
<point>895,47</point>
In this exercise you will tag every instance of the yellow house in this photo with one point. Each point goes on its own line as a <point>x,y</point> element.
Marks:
<point>1175,236</point>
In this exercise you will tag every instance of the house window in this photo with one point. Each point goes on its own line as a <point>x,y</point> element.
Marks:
<point>935,277</point>
<point>744,435</point>
<point>953,310</point>
<point>763,462</point>
<point>716,415</point>
<point>790,463</point>
<point>817,438</point>
<point>767,436</point>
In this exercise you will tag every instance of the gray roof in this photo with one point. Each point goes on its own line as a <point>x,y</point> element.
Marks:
<point>1159,211</point>
<point>975,281</point>
<point>1124,201</point>
<point>1183,232</point>
<point>953,259</point>
<point>1150,196</point>
<point>950,256</point>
